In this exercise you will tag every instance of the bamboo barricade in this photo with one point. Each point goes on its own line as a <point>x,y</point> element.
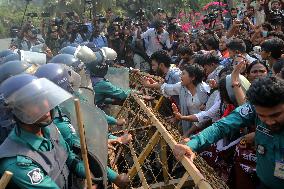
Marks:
<point>5,179</point>
<point>150,154</point>
<point>197,177</point>
<point>84,151</point>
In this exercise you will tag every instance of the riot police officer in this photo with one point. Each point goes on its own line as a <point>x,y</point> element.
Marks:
<point>35,151</point>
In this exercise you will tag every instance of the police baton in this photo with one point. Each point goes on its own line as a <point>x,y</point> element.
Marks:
<point>5,179</point>
<point>84,151</point>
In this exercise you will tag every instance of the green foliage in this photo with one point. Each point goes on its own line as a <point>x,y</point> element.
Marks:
<point>11,14</point>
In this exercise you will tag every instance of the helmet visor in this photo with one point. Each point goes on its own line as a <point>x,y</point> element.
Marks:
<point>35,100</point>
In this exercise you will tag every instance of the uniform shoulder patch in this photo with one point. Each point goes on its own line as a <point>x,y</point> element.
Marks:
<point>245,110</point>
<point>35,176</point>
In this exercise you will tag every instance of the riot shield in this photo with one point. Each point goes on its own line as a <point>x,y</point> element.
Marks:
<point>96,132</point>
<point>33,57</point>
<point>38,48</point>
<point>118,77</point>
<point>86,95</point>
<point>85,78</point>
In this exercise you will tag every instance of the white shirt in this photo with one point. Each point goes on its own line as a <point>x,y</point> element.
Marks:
<point>193,102</point>
<point>250,59</point>
<point>189,104</point>
<point>155,40</point>
<point>212,109</point>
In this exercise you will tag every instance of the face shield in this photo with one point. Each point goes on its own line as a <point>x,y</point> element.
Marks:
<point>74,78</point>
<point>85,54</point>
<point>33,101</point>
<point>109,53</point>
<point>33,57</point>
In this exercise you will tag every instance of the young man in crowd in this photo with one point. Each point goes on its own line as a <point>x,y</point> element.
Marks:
<point>265,109</point>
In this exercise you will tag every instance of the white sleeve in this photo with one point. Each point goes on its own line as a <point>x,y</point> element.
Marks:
<point>211,113</point>
<point>170,89</point>
<point>146,33</point>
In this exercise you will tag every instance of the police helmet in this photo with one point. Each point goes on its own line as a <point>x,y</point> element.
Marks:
<point>10,57</point>
<point>31,98</point>
<point>61,75</point>
<point>12,68</point>
<point>68,50</point>
<point>68,60</point>
<point>5,53</point>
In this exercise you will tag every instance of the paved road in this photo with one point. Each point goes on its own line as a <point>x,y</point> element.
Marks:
<point>4,43</point>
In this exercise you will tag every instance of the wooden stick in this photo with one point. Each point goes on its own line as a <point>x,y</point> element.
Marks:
<point>84,151</point>
<point>138,167</point>
<point>182,180</point>
<point>159,103</point>
<point>145,153</point>
<point>197,177</point>
<point>164,160</point>
<point>5,179</point>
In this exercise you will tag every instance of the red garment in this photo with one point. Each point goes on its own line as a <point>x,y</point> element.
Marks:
<point>225,53</point>
<point>228,110</point>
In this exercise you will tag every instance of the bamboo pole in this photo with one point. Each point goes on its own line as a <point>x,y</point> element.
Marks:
<point>197,177</point>
<point>164,160</point>
<point>5,179</point>
<point>182,180</point>
<point>145,153</point>
<point>84,151</point>
<point>159,103</point>
<point>138,167</point>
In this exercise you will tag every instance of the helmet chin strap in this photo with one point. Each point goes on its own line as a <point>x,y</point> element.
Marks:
<point>43,124</point>
<point>47,123</point>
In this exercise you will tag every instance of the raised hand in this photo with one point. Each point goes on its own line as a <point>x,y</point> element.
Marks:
<point>178,115</point>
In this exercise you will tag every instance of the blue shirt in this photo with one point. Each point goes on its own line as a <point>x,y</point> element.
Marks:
<point>173,76</point>
<point>100,41</point>
<point>226,62</point>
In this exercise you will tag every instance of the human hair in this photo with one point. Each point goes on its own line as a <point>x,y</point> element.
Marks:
<point>257,62</point>
<point>162,57</point>
<point>249,46</point>
<point>210,59</point>
<point>237,44</point>
<point>223,90</point>
<point>233,8</point>
<point>266,92</point>
<point>275,46</point>
<point>212,42</point>
<point>277,66</point>
<point>196,71</point>
<point>267,25</point>
<point>197,43</point>
<point>198,58</point>
<point>158,24</point>
<point>25,28</point>
<point>275,34</point>
<point>183,50</point>
<point>225,71</point>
